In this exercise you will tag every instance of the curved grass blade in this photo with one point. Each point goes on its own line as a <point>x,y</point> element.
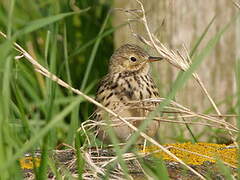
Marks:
<point>93,53</point>
<point>39,23</point>
<point>54,122</point>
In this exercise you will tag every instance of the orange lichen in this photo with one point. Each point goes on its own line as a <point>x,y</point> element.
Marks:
<point>29,162</point>
<point>198,153</point>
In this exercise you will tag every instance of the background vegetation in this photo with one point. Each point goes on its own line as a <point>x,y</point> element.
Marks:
<point>177,23</point>
<point>64,36</point>
<point>72,39</point>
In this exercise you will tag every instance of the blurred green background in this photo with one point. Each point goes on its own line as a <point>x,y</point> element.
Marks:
<point>73,39</point>
<point>64,46</point>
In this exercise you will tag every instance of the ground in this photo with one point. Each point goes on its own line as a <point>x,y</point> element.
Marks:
<point>206,158</point>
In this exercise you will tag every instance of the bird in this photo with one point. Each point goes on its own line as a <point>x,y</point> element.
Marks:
<point>128,79</point>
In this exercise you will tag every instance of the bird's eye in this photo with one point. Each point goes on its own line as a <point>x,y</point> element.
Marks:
<point>133,59</point>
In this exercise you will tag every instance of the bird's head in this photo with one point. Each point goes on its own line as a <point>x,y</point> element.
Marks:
<point>132,58</point>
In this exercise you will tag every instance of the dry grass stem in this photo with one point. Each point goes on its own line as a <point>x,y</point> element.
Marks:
<point>176,109</point>
<point>236,4</point>
<point>182,62</point>
<point>39,68</point>
<point>171,113</point>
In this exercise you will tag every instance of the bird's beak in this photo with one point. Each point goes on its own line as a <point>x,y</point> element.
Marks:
<point>153,59</point>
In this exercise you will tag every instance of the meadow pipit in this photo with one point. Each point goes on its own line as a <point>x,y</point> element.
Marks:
<point>128,80</point>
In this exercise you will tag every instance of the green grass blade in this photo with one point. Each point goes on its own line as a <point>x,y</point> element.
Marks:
<point>237,107</point>
<point>10,16</point>
<point>5,48</point>
<point>42,170</point>
<point>118,151</point>
<point>54,122</point>
<point>93,53</point>
<point>156,169</point>
<point>6,137</point>
<point>180,81</point>
<point>20,105</point>
<point>101,36</point>
<point>40,23</point>
<point>225,170</point>
<point>199,40</point>
<point>238,90</point>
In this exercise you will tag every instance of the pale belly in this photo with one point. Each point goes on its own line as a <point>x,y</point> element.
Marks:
<point>119,103</point>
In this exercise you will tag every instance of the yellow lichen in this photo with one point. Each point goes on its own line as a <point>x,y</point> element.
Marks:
<point>27,162</point>
<point>198,153</point>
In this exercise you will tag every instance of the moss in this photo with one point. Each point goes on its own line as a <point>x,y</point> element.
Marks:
<point>195,154</point>
<point>27,162</point>
<point>192,154</point>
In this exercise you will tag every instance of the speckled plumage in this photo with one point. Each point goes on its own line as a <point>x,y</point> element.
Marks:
<point>127,80</point>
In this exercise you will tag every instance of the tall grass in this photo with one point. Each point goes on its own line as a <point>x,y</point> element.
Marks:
<point>35,112</point>
<point>73,41</point>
